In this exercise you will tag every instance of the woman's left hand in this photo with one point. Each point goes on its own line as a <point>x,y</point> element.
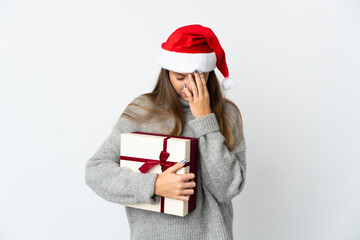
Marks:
<point>199,100</point>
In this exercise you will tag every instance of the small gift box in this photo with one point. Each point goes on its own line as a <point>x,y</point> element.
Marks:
<point>154,153</point>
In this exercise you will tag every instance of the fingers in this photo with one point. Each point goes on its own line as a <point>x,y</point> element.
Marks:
<point>181,188</point>
<point>186,194</point>
<point>184,198</point>
<point>189,191</point>
<point>187,188</point>
<point>193,86</point>
<point>204,87</point>
<point>199,84</point>
<point>190,184</point>
<point>199,89</point>
<point>188,94</point>
<point>175,167</point>
<point>186,176</point>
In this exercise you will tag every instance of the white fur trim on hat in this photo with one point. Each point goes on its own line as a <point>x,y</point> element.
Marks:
<point>186,62</point>
<point>228,83</point>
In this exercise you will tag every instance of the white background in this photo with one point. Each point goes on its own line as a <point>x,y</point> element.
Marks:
<point>69,68</point>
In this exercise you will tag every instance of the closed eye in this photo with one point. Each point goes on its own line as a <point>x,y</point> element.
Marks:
<point>180,78</point>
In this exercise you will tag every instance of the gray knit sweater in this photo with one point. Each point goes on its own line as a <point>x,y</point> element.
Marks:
<point>220,177</point>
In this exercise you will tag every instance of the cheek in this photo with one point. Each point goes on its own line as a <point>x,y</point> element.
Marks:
<point>178,85</point>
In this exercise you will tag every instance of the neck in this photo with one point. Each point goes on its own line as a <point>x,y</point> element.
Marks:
<point>184,103</point>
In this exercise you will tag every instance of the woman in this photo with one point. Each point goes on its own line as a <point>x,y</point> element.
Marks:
<point>187,101</point>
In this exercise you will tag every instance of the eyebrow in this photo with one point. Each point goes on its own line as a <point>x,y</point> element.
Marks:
<point>182,74</point>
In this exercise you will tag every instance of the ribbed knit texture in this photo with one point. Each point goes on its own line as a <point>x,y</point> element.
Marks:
<point>220,177</point>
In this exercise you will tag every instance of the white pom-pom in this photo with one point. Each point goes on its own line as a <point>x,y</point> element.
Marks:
<point>228,83</point>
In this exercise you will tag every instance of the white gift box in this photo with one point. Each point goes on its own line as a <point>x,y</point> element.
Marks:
<point>141,151</point>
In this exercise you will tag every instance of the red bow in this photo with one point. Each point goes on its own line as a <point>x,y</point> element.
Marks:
<point>164,164</point>
<point>149,163</point>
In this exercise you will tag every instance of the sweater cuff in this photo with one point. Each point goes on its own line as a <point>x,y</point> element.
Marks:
<point>204,125</point>
<point>144,187</point>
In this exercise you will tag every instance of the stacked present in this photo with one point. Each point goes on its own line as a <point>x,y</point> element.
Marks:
<point>154,153</point>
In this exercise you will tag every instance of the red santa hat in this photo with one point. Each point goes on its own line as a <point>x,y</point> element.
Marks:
<point>194,47</point>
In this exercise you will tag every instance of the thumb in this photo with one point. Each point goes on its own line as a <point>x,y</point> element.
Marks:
<point>176,167</point>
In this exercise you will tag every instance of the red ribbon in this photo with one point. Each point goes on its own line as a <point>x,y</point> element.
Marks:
<point>149,163</point>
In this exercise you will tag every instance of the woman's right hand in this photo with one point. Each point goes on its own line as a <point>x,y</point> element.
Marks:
<point>172,185</point>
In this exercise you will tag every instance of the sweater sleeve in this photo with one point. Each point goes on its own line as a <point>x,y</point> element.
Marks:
<point>109,180</point>
<point>222,171</point>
